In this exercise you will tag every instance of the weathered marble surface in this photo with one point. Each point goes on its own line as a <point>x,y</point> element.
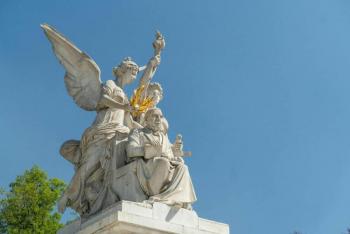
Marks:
<point>140,218</point>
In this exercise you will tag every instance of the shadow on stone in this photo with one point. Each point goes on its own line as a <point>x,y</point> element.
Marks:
<point>172,212</point>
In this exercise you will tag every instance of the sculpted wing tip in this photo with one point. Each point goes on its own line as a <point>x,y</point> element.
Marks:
<point>82,77</point>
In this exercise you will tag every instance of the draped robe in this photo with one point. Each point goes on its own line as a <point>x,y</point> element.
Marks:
<point>104,140</point>
<point>163,177</point>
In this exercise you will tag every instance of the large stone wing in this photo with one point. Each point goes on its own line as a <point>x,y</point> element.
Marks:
<point>82,78</point>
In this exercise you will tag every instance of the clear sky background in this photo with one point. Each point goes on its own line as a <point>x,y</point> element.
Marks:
<point>260,90</point>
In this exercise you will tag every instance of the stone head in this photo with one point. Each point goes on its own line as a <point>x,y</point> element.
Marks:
<point>153,119</point>
<point>155,92</point>
<point>126,71</point>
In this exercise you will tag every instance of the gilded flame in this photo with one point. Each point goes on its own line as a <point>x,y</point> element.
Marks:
<point>140,104</point>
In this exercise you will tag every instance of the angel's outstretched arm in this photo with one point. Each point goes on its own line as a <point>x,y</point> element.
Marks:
<point>151,68</point>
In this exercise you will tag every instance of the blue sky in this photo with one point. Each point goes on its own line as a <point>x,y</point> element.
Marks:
<point>258,89</point>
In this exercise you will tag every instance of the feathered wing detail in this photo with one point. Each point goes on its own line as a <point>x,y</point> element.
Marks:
<point>82,78</point>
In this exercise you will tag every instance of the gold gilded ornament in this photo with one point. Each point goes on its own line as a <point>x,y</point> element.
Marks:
<point>139,104</point>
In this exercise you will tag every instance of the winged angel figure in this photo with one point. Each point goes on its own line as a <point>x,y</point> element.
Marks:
<point>105,139</point>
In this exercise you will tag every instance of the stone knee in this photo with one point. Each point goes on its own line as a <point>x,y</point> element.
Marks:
<point>160,175</point>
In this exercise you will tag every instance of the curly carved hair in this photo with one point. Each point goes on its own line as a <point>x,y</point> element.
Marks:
<point>155,86</point>
<point>127,63</point>
<point>150,111</point>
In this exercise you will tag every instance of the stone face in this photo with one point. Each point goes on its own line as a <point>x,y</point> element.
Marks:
<point>131,217</point>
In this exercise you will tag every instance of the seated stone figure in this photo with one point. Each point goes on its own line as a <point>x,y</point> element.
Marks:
<point>161,171</point>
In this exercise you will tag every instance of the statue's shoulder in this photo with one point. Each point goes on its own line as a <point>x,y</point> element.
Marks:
<point>111,84</point>
<point>111,87</point>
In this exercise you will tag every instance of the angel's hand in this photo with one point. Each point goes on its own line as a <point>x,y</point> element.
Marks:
<point>155,61</point>
<point>128,108</point>
<point>159,43</point>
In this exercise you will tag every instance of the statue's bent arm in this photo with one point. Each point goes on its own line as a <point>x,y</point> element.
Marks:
<point>114,101</point>
<point>130,123</point>
<point>110,102</point>
<point>134,147</point>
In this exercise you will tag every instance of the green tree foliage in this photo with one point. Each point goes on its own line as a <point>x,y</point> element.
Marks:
<point>29,206</point>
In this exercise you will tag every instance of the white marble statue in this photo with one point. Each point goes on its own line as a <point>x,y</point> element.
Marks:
<point>113,121</point>
<point>110,163</point>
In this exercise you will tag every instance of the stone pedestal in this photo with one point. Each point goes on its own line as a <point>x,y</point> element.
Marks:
<point>130,217</point>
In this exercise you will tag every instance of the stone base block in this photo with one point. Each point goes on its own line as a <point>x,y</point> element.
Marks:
<point>130,217</point>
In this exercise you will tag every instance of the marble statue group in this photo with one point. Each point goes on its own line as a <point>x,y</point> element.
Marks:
<point>125,154</point>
